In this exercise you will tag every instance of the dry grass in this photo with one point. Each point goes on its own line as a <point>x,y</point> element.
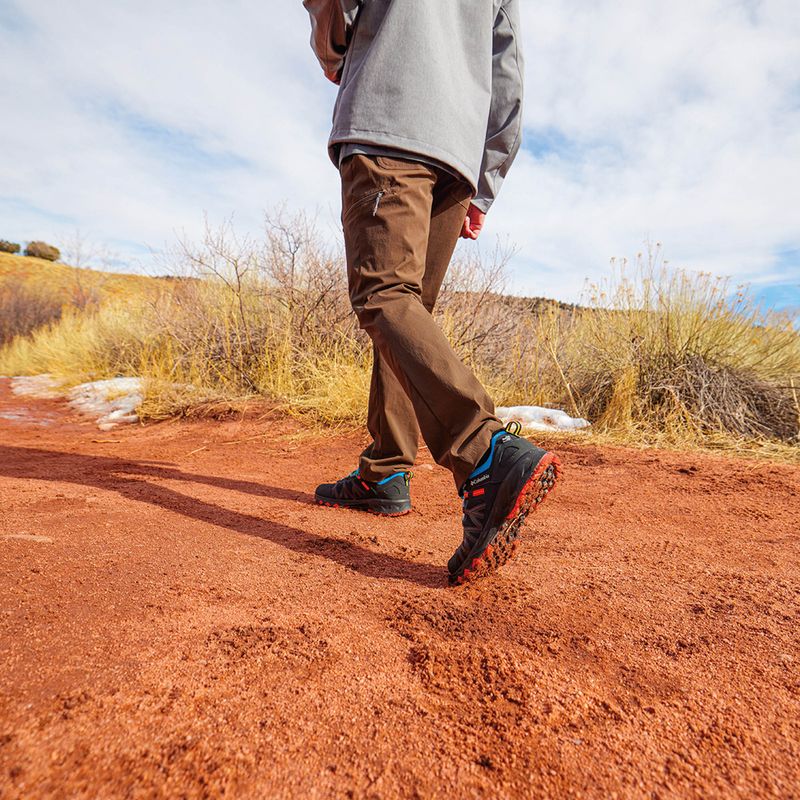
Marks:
<point>23,309</point>
<point>654,357</point>
<point>35,292</point>
<point>73,286</point>
<point>670,356</point>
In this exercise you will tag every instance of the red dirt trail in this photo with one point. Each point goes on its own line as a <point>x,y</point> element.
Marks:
<point>179,620</point>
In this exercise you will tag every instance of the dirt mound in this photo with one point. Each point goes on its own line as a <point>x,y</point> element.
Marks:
<point>180,620</point>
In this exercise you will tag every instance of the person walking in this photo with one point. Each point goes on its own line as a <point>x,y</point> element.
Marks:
<point>426,124</point>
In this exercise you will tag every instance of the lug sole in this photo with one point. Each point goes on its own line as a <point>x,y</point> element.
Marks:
<point>505,543</point>
<point>378,512</point>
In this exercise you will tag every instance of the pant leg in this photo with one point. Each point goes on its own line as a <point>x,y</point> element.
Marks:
<point>391,419</point>
<point>391,422</point>
<point>387,211</point>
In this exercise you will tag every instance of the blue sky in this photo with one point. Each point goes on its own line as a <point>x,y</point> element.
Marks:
<point>644,121</point>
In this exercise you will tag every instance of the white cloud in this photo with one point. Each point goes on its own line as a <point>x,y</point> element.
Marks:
<point>130,119</point>
<point>676,121</point>
<point>679,121</point>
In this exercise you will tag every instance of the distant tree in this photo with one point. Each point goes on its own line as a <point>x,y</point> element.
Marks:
<point>8,247</point>
<point>42,250</point>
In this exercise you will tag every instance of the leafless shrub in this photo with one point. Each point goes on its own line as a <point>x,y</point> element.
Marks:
<point>24,308</point>
<point>256,317</point>
<point>82,252</point>
<point>473,305</point>
<point>306,278</point>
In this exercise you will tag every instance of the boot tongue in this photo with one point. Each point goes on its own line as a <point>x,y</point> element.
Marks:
<point>476,482</point>
<point>486,457</point>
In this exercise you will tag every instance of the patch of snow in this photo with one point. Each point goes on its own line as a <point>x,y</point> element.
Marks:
<point>23,415</point>
<point>36,386</point>
<point>111,402</point>
<point>542,419</point>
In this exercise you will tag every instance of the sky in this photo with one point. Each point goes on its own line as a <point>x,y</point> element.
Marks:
<point>675,122</point>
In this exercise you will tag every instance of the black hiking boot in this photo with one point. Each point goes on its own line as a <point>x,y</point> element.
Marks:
<point>389,497</point>
<point>510,482</point>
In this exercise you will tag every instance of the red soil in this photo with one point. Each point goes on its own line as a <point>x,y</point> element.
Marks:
<point>178,619</point>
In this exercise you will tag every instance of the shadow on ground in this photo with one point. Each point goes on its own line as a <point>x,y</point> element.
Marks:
<point>130,479</point>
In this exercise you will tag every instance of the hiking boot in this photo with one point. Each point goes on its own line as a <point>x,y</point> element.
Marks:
<point>510,481</point>
<point>389,497</point>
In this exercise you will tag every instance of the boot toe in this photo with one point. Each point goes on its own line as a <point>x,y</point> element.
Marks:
<point>326,491</point>
<point>457,559</point>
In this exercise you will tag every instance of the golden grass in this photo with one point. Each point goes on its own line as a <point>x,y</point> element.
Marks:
<point>81,346</point>
<point>679,356</point>
<point>35,292</point>
<point>654,358</point>
<point>70,283</point>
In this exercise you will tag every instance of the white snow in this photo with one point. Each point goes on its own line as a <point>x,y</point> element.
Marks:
<point>36,386</point>
<point>110,402</point>
<point>542,419</point>
<point>114,401</point>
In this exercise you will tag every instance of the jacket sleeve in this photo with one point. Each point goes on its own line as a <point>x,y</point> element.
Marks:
<point>504,130</point>
<point>331,26</point>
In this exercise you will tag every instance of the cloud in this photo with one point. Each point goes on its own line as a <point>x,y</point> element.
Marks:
<point>134,118</point>
<point>679,122</point>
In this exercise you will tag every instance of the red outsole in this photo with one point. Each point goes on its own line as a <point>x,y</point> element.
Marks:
<point>505,544</point>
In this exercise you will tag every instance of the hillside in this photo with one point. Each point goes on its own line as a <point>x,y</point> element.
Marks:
<point>66,281</point>
<point>35,293</point>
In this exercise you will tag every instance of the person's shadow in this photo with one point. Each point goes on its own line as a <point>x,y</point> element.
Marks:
<point>128,478</point>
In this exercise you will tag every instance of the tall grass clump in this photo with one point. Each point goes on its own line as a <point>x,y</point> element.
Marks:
<point>661,354</point>
<point>82,345</point>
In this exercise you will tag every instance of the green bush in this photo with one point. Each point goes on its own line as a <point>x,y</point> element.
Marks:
<point>42,250</point>
<point>8,247</point>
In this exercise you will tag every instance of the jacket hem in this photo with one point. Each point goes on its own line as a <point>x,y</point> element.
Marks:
<point>416,146</point>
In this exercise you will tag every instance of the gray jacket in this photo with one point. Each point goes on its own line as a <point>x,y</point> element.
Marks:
<point>437,78</point>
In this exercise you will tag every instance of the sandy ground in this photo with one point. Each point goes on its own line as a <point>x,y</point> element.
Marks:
<point>178,620</point>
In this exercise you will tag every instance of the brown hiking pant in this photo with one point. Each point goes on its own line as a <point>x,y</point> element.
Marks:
<point>401,221</point>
